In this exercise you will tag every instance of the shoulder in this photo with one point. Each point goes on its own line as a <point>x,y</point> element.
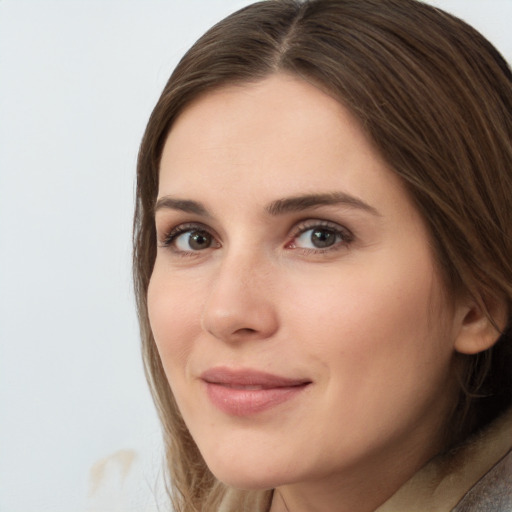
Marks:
<point>493,491</point>
<point>475,477</point>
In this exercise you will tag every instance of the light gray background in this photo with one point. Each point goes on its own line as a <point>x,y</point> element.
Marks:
<point>78,80</point>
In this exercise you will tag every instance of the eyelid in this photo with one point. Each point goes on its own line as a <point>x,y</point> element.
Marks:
<point>170,235</point>
<point>304,226</point>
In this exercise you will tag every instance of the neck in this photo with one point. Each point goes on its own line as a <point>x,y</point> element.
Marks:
<point>355,489</point>
<point>323,497</point>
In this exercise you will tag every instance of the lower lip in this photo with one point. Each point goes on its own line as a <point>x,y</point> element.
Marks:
<point>244,402</point>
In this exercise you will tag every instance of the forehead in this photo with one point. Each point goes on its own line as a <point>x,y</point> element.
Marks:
<point>280,136</point>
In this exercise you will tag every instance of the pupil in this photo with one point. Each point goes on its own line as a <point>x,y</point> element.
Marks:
<point>323,238</point>
<point>199,240</point>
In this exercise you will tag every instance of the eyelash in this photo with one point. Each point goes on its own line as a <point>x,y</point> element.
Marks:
<point>170,238</point>
<point>338,231</point>
<point>341,232</point>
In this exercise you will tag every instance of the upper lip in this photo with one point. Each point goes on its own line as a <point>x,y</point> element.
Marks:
<point>249,377</point>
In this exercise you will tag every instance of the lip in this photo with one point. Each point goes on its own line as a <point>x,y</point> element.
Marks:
<point>245,392</point>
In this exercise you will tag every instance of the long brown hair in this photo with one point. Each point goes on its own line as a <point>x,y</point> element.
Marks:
<point>433,95</point>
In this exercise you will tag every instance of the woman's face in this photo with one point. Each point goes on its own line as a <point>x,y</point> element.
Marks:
<point>294,301</point>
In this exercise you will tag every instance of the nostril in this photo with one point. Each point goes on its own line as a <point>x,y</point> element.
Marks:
<point>246,330</point>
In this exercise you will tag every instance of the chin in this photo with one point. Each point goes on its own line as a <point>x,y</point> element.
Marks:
<point>247,482</point>
<point>253,477</point>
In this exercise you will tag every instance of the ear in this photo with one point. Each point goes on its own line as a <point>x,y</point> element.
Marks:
<point>477,332</point>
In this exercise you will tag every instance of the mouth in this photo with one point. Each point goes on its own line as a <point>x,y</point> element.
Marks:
<point>246,392</point>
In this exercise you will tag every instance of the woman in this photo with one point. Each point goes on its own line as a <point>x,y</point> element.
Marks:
<point>322,241</point>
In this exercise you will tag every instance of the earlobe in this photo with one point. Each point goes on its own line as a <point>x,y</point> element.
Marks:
<point>478,330</point>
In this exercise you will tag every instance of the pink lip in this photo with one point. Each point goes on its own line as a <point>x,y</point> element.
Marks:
<point>244,392</point>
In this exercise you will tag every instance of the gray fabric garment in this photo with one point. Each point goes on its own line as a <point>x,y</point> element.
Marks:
<point>493,492</point>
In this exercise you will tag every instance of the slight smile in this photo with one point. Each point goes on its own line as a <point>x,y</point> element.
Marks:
<point>245,392</point>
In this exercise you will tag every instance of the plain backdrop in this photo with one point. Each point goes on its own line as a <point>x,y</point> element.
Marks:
<point>78,80</point>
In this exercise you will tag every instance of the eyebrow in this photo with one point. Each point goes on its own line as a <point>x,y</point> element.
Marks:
<point>277,207</point>
<point>183,205</point>
<point>307,201</point>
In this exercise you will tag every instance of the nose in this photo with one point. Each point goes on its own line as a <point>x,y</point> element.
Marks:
<point>239,305</point>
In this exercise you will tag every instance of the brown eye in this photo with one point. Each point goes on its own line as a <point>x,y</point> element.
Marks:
<point>190,238</point>
<point>193,240</point>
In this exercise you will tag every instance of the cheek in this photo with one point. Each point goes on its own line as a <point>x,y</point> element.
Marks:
<point>382,358</point>
<point>174,316</point>
<point>363,317</point>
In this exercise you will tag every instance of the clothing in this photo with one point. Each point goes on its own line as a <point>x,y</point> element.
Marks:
<point>475,477</point>
<point>493,491</point>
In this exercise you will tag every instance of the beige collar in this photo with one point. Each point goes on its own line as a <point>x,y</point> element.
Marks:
<point>443,482</point>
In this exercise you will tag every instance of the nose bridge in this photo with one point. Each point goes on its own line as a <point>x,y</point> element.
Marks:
<point>251,267</point>
<point>239,303</point>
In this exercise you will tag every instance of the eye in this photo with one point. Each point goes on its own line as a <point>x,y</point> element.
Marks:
<point>193,240</point>
<point>320,236</point>
<point>317,238</point>
<point>189,239</point>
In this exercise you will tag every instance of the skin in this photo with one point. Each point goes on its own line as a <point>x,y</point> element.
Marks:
<point>364,320</point>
